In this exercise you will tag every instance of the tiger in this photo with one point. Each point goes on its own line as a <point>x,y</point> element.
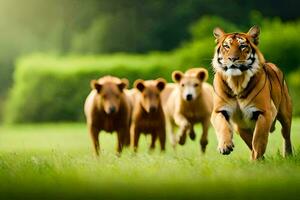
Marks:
<point>250,94</point>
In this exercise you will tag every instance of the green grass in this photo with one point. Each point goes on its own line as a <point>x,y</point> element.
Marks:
<point>55,161</point>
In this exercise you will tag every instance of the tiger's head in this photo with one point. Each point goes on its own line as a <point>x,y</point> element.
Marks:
<point>237,53</point>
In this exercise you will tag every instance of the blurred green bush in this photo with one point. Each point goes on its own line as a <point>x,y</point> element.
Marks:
<point>293,80</point>
<point>53,88</point>
<point>280,43</point>
<point>203,27</point>
<point>50,88</point>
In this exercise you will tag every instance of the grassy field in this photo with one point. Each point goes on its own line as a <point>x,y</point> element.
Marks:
<point>54,161</point>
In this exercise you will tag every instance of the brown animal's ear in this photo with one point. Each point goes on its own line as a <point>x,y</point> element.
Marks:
<point>176,76</point>
<point>202,75</point>
<point>161,83</point>
<point>124,84</point>
<point>218,32</point>
<point>95,85</point>
<point>139,84</point>
<point>254,34</point>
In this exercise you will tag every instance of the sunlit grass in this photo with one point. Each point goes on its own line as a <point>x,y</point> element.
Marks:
<point>56,161</point>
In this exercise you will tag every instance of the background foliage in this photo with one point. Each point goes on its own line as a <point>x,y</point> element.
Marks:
<point>74,41</point>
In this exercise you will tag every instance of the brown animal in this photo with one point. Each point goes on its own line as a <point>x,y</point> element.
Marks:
<point>250,94</point>
<point>107,108</point>
<point>148,116</point>
<point>190,102</point>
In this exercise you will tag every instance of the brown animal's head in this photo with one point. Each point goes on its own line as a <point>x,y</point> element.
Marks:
<point>237,53</point>
<point>109,90</point>
<point>190,83</point>
<point>150,93</point>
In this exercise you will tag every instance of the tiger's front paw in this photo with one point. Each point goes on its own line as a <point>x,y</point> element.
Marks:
<point>226,148</point>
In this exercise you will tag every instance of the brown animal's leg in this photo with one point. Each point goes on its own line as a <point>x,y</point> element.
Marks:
<point>183,132</point>
<point>170,127</point>
<point>286,134</point>
<point>192,133</point>
<point>94,132</point>
<point>120,141</point>
<point>182,137</point>
<point>162,139</point>
<point>126,137</point>
<point>136,141</point>
<point>184,127</point>
<point>153,140</point>
<point>135,135</point>
<point>224,132</point>
<point>260,136</point>
<point>203,140</point>
<point>246,136</point>
<point>173,136</point>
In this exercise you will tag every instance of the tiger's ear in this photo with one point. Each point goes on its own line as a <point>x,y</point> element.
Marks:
<point>254,34</point>
<point>176,76</point>
<point>218,32</point>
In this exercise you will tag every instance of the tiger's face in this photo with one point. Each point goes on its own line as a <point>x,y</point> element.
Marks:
<point>236,53</point>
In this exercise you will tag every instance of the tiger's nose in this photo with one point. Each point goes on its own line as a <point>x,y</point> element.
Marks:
<point>233,58</point>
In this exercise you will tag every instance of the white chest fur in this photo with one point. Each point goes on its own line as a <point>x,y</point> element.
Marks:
<point>240,115</point>
<point>243,116</point>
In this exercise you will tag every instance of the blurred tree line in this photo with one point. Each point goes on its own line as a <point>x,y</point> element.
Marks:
<point>106,26</point>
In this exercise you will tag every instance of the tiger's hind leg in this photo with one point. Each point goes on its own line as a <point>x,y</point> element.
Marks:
<point>286,134</point>
<point>285,118</point>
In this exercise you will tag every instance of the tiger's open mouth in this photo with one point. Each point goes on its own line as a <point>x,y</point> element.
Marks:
<point>240,67</point>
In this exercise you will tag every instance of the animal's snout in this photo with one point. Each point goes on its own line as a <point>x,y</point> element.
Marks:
<point>233,58</point>
<point>112,109</point>
<point>189,97</point>
<point>153,108</point>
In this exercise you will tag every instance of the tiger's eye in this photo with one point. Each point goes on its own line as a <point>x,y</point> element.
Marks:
<point>196,85</point>
<point>182,85</point>
<point>225,46</point>
<point>242,47</point>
